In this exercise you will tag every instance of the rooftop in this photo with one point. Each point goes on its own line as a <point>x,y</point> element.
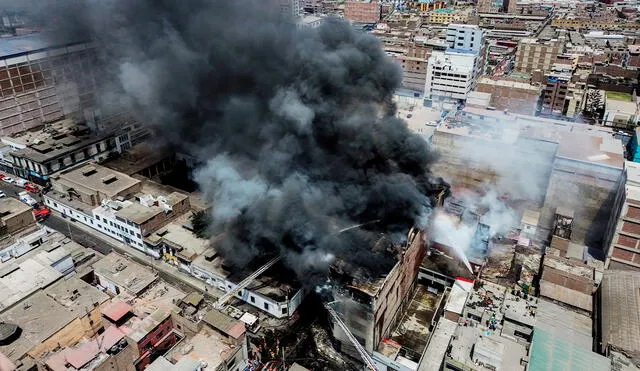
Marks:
<point>508,83</point>
<point>10,207</point>
<point>116,310</point>
<point>184,364</point>
<point>224,324</point>
<point>271,283</point>
<point>604,150</point>
<point>125,273</point>
<point>467,339</point>
<point>19,280</point>
<point>207,346</point>
<point>137,158</point>
<point>621,310</point>
<point>19,45</point>
<point>551,352</point>
<point>176,235</point>
<point>567,288</point>
<point>438,344</point>
<point>99,179</point>
<point>83,353</point>
<point>53,147</point>
<point>565,324</point>
<point>39,317</point>
<point>142,328</point>
<point>413,328</point>
<point>458,296</point>
<point>76,295</point>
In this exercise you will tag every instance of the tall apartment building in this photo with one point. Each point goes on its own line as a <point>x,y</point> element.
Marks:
<point>290,8</point>
<point>534,55</point>
<point>465,37</point>
<point>514,96</point>
<point>42,82</point>
<point>451,75</point>
<point>555,93</point>
<point>623,233</point>
<point>362,11</point>
<point>414,67</point>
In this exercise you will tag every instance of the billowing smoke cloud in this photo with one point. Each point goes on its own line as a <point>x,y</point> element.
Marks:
<point>294,128</point>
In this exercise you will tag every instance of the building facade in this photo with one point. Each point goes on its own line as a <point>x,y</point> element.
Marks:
<point>534,55</point>
<point>451,75</point>
<point>555,94</point>
<point>362,11</point>
<point>514,96</point>
<point>465,37</point>
<point>623,234</point>
<point>41,82</point>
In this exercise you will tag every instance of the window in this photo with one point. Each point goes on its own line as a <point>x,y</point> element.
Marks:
<point>252,298</point>
<point>284,310</point>
<point>138,234</point>
<point>266,306</point>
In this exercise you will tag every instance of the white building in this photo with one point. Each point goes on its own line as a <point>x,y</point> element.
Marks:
<point>290,8</point>
<point>451,75</point>
<point>465,37</point>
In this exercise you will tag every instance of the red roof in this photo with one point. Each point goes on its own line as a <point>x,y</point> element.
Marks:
<point>85,353</point>
<point>116,310</point>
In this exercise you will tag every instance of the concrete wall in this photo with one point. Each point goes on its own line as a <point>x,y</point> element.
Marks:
<point>76,330</point>
<point>123,361</point>
<point>19,221</point>
<point>588,189</point>
<point>161,219</point>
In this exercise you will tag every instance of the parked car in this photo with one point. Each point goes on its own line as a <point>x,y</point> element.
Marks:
<point>2,195</point>
<point>20,182</point>
<point>27,199</point>
<point>8,179</point>
<point>30,187</point>
<point>41,212</point>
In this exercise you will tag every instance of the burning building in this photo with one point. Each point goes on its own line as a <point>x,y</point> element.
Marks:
<point>371,307</point>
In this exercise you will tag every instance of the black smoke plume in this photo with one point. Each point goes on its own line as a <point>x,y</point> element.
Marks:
<point>295,129</point>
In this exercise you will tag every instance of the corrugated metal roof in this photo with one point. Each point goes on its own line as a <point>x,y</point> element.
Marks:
<point>551,353</point>
<point>621,310</point>
<point>10,46</point>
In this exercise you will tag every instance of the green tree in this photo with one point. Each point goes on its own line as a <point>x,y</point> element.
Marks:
<point>201,220</point>
<point>594,107</point>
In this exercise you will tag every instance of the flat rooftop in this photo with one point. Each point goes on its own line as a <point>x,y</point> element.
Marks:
<point>20,45</point>
<point>99,179</point>
<point>137,158</point>
<point>552,352</point>
<point>10,207</point>
<point>412,331</point>
<point>39,317</point>
<point>19,280</point>
<point>206,345</point>
<point>508,83</point>
<point>604,150</point>
<point>467,339</point>
<point>176,235</point>
<point>50,149</point>
<point>160,295</point>
<point>271,283</point>
<point>621,310</point>
<point>125,272</point>
<point>565,324</point>
<point>141,328</point>
<point>438,344</point>
<point>76,295</point>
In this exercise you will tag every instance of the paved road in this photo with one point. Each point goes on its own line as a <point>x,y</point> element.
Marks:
<point>68,228</point>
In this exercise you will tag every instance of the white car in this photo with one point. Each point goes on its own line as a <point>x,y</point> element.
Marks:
<point>2,195</point>
<point>8,180</point>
